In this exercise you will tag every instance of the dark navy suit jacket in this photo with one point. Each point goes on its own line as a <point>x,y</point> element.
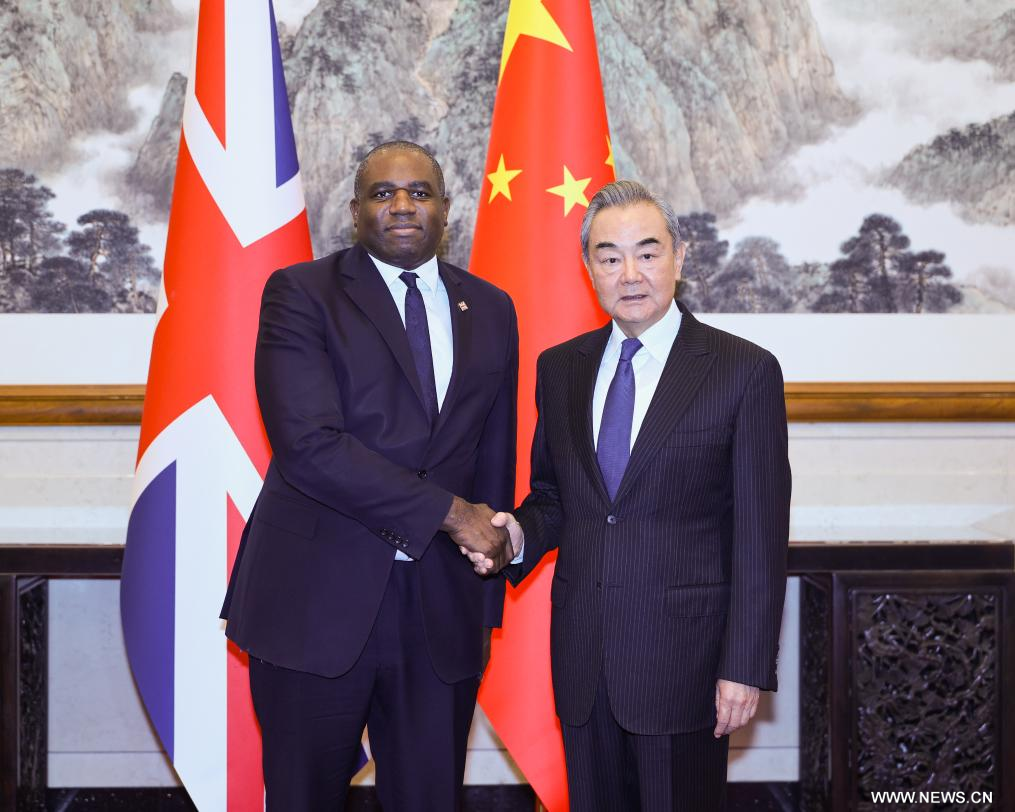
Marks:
<point>680,579</point>
<point>357,472</point>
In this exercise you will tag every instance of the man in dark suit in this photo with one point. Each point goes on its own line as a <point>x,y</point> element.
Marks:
<point>387,382</point>
<point>660,471</point>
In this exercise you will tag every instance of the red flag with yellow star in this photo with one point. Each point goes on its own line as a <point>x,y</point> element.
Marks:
<point>549,153</point>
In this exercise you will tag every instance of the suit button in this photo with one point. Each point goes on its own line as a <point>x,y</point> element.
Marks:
<point>611,519</point>
<point>421,474</point>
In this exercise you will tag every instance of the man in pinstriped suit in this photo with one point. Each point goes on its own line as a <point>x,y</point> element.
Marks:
<point>660,471</point>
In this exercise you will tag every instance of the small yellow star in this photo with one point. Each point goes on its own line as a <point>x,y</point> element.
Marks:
<point>501,179</point>
<point>572,190</point>
<point>529,18</point>
<point>609,157</point>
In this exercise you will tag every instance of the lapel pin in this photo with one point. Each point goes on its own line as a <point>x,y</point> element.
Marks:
<point>463,306</point>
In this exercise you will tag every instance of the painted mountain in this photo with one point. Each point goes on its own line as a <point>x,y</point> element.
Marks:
<point>756,119</point>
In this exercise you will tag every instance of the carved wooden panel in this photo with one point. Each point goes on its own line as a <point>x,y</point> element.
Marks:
<point>925,692</point>
<point>815,651</point>
<point>32,693</point>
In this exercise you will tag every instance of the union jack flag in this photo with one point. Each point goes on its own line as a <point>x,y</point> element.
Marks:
<point>237,214</point>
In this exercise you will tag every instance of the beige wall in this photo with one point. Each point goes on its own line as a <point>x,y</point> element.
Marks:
<point>61,484</point>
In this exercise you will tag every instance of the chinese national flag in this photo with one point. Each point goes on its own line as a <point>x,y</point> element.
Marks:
<point>549,153</point>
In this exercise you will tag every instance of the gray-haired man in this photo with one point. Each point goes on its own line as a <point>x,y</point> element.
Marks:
<point>660,471</point>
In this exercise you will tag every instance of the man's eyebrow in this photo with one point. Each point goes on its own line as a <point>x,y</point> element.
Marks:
<point>646,241</point>
<point>388,184</point>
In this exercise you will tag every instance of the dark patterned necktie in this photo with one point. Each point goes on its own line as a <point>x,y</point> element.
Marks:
<point>419,342</point>
<point>614,447</point>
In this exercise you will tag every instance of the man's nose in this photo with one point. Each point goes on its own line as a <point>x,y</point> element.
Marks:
<point>402,202</point>
<point>630,273</point>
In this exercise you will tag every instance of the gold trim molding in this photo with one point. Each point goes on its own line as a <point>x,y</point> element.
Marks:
<point>875,402</point>
<point>91,405</point>
<point>87,405</point>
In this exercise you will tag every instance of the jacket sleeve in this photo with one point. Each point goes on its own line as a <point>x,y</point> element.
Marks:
<point>302,412</point>
<point>494,482</point>
<point>761,497</point>
<point>541,514</point>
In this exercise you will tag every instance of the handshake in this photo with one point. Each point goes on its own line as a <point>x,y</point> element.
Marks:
<point>489,540</point>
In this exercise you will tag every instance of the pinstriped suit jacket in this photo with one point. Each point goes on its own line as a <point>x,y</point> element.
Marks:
<point>680,579</point>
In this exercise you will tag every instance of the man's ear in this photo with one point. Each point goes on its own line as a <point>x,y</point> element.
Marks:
<point>679,253</point>
<point>354,211</point>
<point>447,208</point>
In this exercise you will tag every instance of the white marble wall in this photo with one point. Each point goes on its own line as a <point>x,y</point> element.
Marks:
<point>850,481</point>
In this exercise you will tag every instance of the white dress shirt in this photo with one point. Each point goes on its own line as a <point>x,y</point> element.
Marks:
<point>438,322</point>
<point>647,366</point>
<point>438,315</point>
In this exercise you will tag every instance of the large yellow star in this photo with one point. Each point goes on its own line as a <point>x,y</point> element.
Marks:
<point>609,157</point>
<point>572,190</point>
<point>529,17</point>
<point>501,180</point>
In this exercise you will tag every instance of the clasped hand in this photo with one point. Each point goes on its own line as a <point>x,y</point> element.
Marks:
<point>480,535</point>
<point>484,565</point>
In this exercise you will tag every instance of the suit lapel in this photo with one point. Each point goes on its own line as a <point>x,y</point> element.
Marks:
<point>584,370</point>
<point>686,367</point>
<point>461,337</point>
<point>365,286</point>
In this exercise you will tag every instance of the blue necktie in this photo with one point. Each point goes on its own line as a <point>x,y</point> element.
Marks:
<point>419,342</point>
<point>614,446</point>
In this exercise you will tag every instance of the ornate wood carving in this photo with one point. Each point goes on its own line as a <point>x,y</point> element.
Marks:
<point>32,692</point>
<point>903,673</point>
<point>9,676</point>
<point>815,651</point>
<point>925,691</point>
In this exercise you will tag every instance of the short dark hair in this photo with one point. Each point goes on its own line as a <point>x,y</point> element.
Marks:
<point>357,187</point>
<point>626,193</point>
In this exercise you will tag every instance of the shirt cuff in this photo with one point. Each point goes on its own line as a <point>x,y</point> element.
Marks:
<point>521,555</point>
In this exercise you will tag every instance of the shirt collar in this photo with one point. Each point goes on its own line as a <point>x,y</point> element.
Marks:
<point>427,272</point>
<point>658,339</point>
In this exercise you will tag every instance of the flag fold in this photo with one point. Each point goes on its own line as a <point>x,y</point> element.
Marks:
<point>549,153</point>
<point>237,214</point>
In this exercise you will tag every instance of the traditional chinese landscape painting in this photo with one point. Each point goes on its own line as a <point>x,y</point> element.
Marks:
<point>826,156</point>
